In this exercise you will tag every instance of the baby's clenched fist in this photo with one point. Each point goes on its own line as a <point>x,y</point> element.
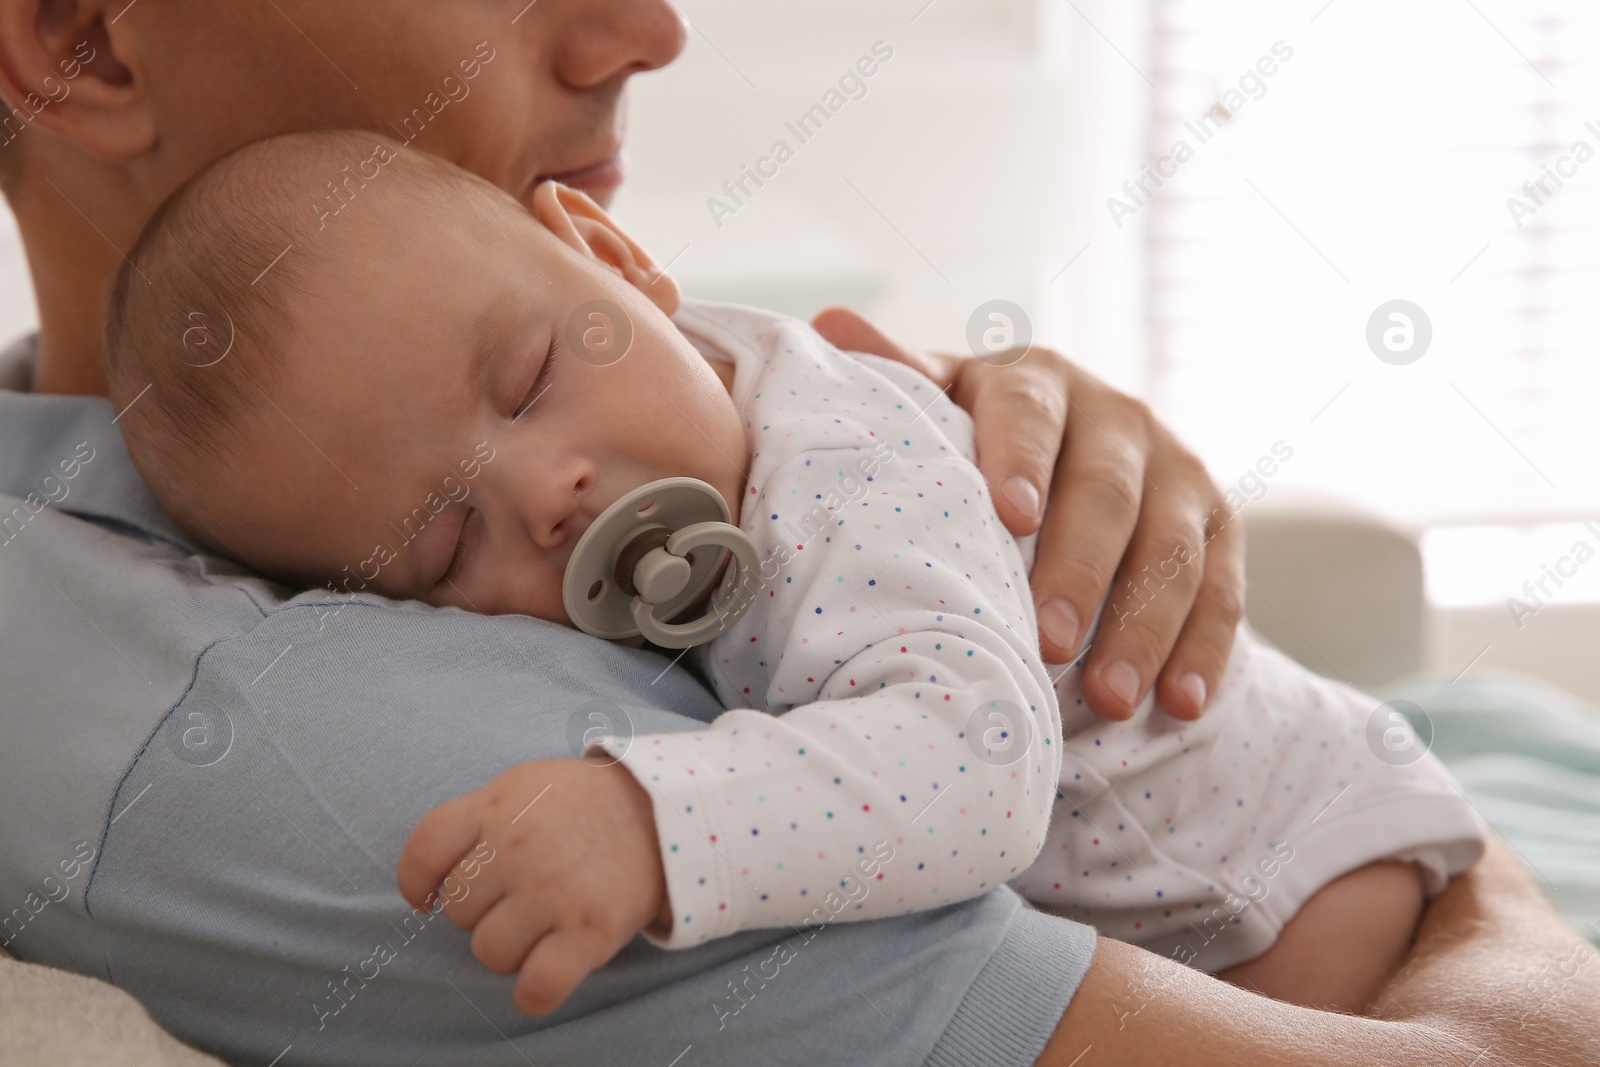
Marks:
<point>553,866</point>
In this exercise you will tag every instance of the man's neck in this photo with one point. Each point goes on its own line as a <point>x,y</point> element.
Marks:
<point>73,259</point>
<point>71,347</point>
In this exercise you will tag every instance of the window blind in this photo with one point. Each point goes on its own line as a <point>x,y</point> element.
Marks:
<point>1442,153</point>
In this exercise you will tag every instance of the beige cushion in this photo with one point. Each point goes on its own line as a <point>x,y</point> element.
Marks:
<point>1335,587</point>
<point>66,1020</point>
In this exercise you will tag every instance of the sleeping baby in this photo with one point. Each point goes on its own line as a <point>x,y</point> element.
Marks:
<point>320,330</point>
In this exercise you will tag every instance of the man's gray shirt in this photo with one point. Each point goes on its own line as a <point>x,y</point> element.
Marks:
<point>206,780</point>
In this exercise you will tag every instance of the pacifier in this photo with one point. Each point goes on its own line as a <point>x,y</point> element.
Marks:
<point>653,553</point>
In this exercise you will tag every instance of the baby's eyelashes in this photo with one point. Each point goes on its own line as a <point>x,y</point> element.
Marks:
<point>542,381</point>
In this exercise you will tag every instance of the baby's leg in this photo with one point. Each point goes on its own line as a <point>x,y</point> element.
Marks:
<point>1343,944</point>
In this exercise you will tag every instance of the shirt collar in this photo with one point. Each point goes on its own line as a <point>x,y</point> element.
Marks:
<point>39,433</point>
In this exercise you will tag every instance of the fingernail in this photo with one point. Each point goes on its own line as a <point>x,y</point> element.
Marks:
<point>1059,623</point>
<point>1022,494</point>
<point>1123,681</point>
<point>1195,686</point>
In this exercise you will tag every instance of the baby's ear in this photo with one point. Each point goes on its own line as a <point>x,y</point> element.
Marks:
<point>584,226</point>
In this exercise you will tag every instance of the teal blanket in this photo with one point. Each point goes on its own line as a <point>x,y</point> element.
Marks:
<point>1527,755</point>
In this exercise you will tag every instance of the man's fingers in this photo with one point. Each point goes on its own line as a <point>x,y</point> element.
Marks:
<point>1094,509</point>
<point>1151,598</point>
<point>558,963</point>
<point>1019,409</point>
<point>843,328</point>
<point>1019,414</point>
<point>437,843</point>
<point>1083,541</point>
<point>1194,671</point>
<point>503,938</point>
<point>1112,524</point>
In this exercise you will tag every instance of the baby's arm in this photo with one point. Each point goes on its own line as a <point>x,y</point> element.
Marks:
<point>918,764</point>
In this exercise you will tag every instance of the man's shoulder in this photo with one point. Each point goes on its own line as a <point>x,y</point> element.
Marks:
<point>108,629</point>
<point>120,646</point>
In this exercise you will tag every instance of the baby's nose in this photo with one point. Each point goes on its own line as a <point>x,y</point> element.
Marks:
<point>557,504</point>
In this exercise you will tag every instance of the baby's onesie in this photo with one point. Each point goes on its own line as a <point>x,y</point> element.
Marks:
<point>1200,840</point>
<point>896,740</point>
<point>893,742</point>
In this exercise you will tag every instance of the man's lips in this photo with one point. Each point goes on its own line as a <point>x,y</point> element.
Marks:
<point>604,174</point>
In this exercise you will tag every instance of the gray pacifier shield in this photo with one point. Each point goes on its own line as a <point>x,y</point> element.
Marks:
<point>594,602</point>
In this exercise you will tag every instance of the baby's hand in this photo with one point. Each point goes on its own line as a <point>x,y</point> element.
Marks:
<point>553,866</point>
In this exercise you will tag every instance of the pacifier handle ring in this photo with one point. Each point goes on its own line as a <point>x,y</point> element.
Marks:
<point>703,629</point>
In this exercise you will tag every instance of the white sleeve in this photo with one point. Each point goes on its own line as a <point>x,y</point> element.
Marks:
<point>916,764</point>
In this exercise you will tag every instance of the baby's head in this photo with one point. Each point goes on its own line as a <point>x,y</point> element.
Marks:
<point>344,362</point>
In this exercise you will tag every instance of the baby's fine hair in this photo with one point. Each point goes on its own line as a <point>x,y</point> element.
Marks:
<point>199,311</point>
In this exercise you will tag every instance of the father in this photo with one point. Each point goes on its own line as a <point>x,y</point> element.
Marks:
<point>207,779</point>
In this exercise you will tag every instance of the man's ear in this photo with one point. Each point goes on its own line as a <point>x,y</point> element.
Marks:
<point>584,226</point>
<point>59,71</point>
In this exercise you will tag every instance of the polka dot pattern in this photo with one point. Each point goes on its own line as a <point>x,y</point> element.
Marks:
<point>1199,840</point>
<point>892,607</point>
<point>892,604</point>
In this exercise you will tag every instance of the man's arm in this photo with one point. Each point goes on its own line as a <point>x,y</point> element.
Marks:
<point>1496,977</point>
<point>1496,965</point>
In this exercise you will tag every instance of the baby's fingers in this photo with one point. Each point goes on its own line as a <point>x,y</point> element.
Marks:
<point>559,962</point>
<point>503,938</point>
<point>436,845</point>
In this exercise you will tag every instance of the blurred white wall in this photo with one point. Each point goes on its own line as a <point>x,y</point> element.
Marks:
<point>968,171</point>
<point>17,313</point>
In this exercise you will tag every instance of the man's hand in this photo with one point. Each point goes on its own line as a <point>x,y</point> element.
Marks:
<point>1127,504</point>
<point>553,866</point>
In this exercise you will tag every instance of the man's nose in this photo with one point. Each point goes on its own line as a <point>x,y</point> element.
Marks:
<point>612,39</point>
